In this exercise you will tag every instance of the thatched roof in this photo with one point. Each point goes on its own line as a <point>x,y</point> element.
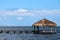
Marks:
<point>44,22</point>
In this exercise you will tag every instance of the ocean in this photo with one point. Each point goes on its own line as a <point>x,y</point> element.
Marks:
<point>28,36</point>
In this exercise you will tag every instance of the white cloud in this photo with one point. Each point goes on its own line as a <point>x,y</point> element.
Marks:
<point>19,12</point>
<point>24,12</point>
<point>47,12</point>
<point>19,18</point>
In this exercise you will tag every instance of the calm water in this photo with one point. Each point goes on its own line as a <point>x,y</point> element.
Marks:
<point>30,36</point>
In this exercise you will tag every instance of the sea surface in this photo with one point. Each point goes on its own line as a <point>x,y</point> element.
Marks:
<point>28,36</point>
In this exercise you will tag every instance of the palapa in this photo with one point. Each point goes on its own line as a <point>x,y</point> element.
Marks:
<point>45,22</point>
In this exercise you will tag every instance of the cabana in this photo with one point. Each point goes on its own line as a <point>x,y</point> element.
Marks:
<point>44,23</point>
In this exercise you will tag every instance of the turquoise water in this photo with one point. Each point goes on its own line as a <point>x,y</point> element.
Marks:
<point>29,36</point>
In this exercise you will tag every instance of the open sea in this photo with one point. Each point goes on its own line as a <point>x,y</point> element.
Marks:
<point>28,36</point>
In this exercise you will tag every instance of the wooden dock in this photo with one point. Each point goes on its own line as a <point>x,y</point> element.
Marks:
<point>26,31</point>
<point>44,32</point>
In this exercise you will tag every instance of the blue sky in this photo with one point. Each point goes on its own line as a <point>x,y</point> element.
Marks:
<point>26,12</point>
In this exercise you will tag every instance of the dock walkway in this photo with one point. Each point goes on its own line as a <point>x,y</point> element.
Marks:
<point>25,31</point>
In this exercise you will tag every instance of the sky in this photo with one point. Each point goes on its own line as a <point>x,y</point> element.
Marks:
<point>27,12</point>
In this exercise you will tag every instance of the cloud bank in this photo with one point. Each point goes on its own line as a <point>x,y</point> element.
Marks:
<point>10,17</point>
<point>24,12</point>
<point>21,13</point>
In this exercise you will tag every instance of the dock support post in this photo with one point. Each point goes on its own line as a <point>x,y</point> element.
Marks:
<point>37,29</point>
<point>55,29</point>
<point>51,29</point>
<point>34,29</point>
<point>43,28</point>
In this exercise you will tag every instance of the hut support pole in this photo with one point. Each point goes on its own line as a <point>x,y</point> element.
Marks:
<point>37,29</point>
<point>55,29</point>
<point>51,29</point>
<point>43,28</point>
<point>34,29</point>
